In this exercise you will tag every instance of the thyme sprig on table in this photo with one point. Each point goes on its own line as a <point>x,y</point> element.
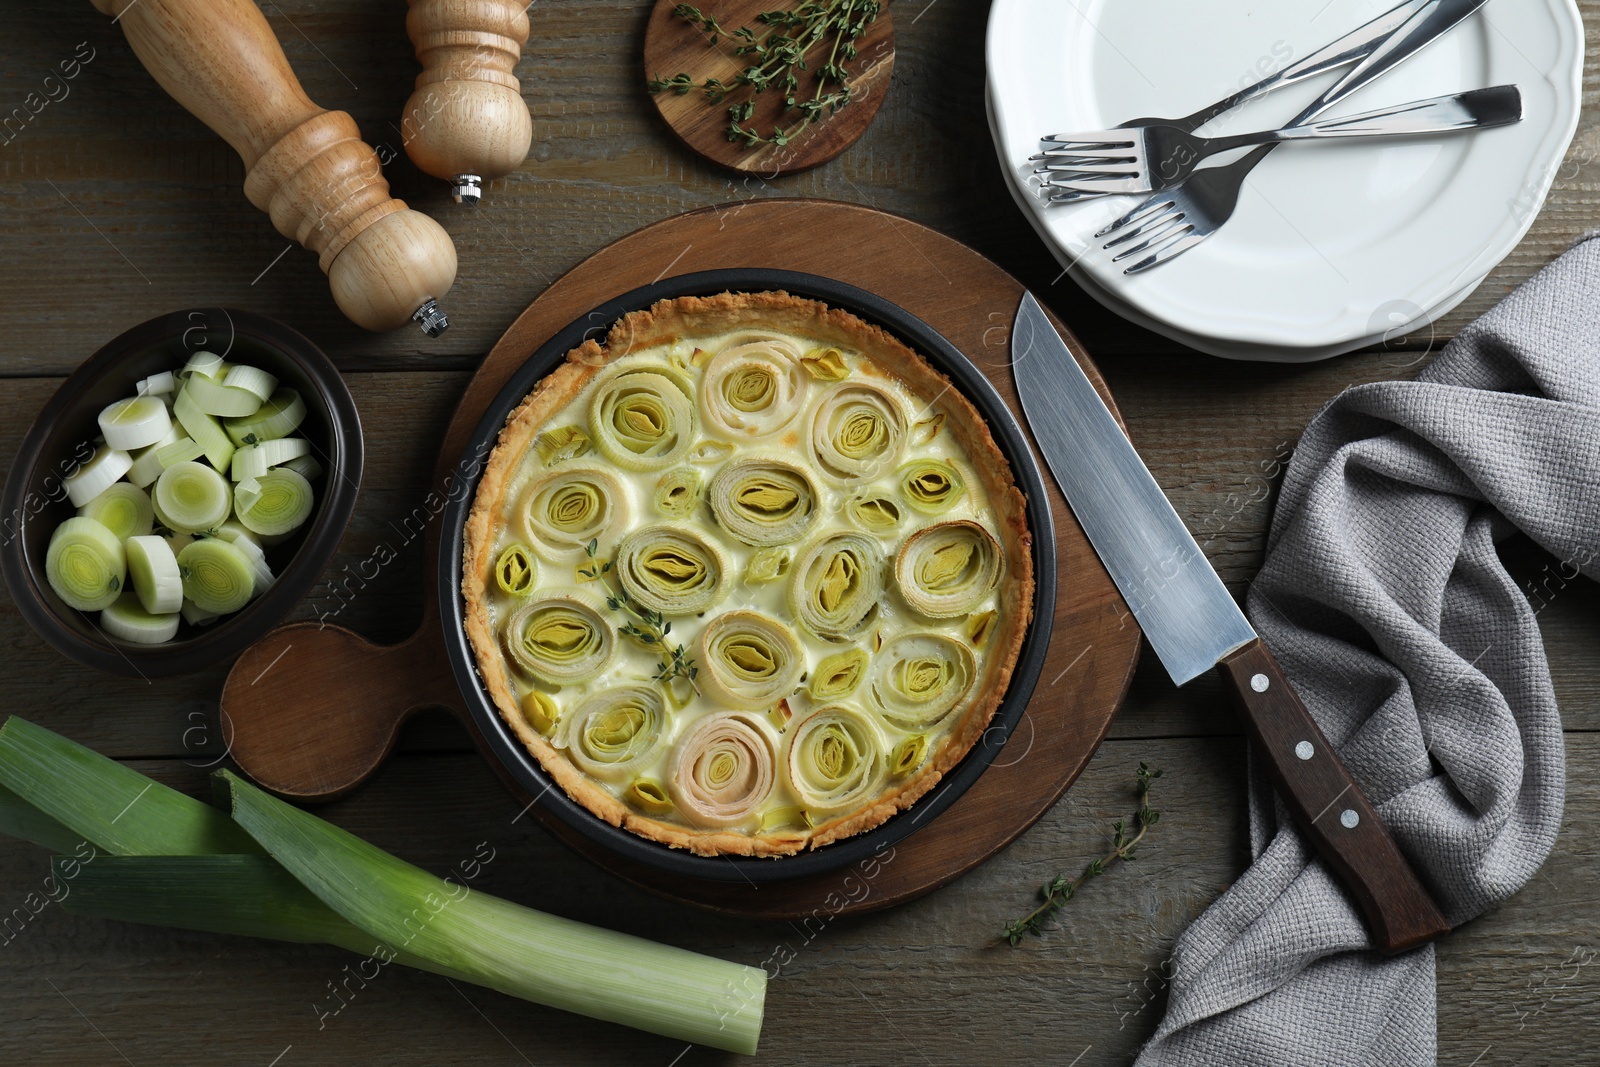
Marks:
<point>649,628</point>
<point>1060,889</point>
<point>778,56</point>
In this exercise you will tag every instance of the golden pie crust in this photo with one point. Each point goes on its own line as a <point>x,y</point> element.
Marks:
<point>662,324</point>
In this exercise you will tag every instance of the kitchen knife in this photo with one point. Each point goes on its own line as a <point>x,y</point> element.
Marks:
<point>1194,625</point>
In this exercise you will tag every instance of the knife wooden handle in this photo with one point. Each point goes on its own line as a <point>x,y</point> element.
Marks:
<point>1330,806</point>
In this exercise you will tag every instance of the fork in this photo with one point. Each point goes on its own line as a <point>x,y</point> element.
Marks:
<point>1154,158</point>
<point>1175,221</point>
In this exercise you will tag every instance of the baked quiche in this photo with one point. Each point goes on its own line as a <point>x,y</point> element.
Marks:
<point>747,578</point>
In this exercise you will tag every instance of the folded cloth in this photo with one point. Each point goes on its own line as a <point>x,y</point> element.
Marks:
<point>1384,599</point>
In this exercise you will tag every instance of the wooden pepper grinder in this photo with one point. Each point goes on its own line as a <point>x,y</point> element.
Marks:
<point>307,168</point>
<point>467,122</point>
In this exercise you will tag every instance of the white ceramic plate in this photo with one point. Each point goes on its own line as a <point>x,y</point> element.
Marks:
<point>1326,237</point>
<point>1388,322</point>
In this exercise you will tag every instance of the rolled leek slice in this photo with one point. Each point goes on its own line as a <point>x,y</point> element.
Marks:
<point>561,639</point>
<point>93,477</point>
<point>283,504</point>
<point>559,445</point>
<point>153,572</point>
<point>723,769</point>
<point>838,675</point>
<point>674,570</point>
<point>835,760</point>
<point>541,711</point>
<point>875,512</point>
<point>750,661</point>
<point>753,389</point>
<point>642,419</point>
<point>125,619</point>
<point>932,486</point>
<point>837,586</point>
<point>918,678</point>
<point>137,422</point>
<point>123,509</point>
<point>279,416</point>
<point>205,429</point>
<point>764,500</point>
<point>515,571</point>
<point>85,564</point>
<point>649,797</point>
<point>947,570</point>
<point>908,755</point>
<point>614,733</point>
<point>216,575</point>
<point>565,510</point>
<point>191,497</point>
<point>679,492</point>
<point>857,431</point>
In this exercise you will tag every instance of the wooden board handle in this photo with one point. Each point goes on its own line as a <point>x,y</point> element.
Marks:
<point>308,167</point>
<point>1329,805</point>
<point>310,711</point>
<point>467,122</point>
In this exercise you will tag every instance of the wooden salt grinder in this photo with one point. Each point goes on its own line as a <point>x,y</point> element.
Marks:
<point>466,122</point>
<point>308,168</point>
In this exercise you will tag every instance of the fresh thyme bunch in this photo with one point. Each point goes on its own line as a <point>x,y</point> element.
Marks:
<point>778,51</point>
<point>1060,889</point>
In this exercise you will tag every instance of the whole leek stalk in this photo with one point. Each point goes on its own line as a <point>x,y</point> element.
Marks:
<point>168,859</point>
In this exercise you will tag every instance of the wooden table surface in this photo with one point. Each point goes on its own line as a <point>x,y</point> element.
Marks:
<point>116,206</point>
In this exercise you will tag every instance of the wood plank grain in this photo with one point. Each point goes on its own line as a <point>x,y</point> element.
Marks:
<point>924,982</point>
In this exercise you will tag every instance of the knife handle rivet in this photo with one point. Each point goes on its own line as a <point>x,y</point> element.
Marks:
<point>1305,750</point>
<point>1349,819</point>
<point>1259,683</point>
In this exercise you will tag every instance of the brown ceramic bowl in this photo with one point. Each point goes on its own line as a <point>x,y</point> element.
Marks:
<point>34,500</point>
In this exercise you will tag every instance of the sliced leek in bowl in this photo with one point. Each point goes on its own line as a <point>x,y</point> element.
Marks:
<point>145,440</point>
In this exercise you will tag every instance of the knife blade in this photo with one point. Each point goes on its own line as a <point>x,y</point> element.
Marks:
<point>1194,625</point>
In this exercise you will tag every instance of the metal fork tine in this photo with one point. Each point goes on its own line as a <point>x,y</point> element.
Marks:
<point>1092,167</point>
<point>1100,185</point>
<point>1171,251</point>
<point>1178,229</point>
<point>1149,206</point>
<point>1094,137</point>
<point>1147,228</point>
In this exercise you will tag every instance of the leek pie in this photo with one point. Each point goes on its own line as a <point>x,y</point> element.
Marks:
<point>749,577</point>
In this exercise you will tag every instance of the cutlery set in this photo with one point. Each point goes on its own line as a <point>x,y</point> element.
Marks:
<point>1189,203</point>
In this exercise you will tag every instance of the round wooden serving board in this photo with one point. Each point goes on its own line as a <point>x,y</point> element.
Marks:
<point>322,727</point>
<point>673,46</point>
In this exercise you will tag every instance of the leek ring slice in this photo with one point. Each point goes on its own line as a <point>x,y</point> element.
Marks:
<point>124,509</point>
<point>837,586</point>
<point>835,760</point>
<point>216,576</point>
<point>875,512</point>
<point>947,570</point>
<point>642,420</point>
<point>919,677</point>
<point>565,510</point>
<point>191,497</point>
<point>614,733</point>
<point>674,570</point>
<point>723,769</point>
<point>751,662</point>
<point>764,500</point>
<point>679,492</point>
<point>838,675</point>
<point>767,565</point>
<point>125,619</point>
<point>649,797</point>
<point>908,755</point>
<point>283,503</point>
<point>515,571</point>
<point>560,639</point>
<point>154,574</point>
<point>753,389</point>
<point>85,564</point>
<point>932,486</point>
<point>858,431</point>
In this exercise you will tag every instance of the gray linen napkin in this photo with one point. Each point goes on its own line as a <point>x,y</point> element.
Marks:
<point>1384,599</point>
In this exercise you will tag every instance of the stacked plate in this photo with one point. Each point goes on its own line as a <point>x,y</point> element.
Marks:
<point>1333,247</point>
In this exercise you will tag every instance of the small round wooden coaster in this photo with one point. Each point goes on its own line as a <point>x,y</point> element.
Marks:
<point>674,46</point>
